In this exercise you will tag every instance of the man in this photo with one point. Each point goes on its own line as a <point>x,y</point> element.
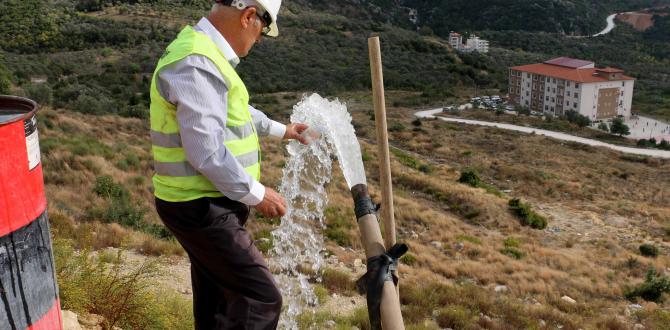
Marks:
<point>207,162</point>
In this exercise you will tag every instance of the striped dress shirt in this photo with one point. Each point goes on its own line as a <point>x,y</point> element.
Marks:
<point>200,94</point>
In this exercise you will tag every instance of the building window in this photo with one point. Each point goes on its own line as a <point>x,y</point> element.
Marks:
<point>553,100</point>
<point>546,98</point>
<point>576,85</point>
<point>576,95</point>
<point>554,90</point>
<point>527,84</point>
<point>575,103</point>
<point>526,102</point>
<point>546,107</point>
<point>623,83</point>
<point>548,89</point>
<point>527,93</point>
<point>568,93</point>
<point>554,79</point>
<point>568,84</point>
<point>567,103</point>
<point>547,79</point>
<point>552,109</point>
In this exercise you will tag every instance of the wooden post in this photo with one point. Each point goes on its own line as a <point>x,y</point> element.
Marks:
<point>382,141</point>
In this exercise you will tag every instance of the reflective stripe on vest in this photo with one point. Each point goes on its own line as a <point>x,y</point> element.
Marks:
<point>176,179</point>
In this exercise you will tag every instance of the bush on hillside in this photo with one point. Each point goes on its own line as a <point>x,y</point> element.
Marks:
<point>649,250</point>
<point>653,287</point>
<point>526,215</point>
<point>470,177</point>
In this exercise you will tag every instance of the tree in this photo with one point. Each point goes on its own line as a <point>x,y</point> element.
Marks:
<point>5,78</point>
<point>577,118</point>
<point>603,127</point>
<point>618,127</point>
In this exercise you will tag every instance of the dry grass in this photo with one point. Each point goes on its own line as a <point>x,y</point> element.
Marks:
<point>603,203</point>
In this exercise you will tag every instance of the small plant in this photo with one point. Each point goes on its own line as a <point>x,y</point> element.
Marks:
<point>397,127</point>
<point>338,281</point>
<point>416,122</point>
<point>456,317</point>
<point>408,259</point>
<point>470,177</point>
<point>512,242</point>
<point>106,187</point>
<point>649,250</point>
<point>263,240</point>
<point>652,289</point>
<point>512,252</point>
<point>468,238</point>
<point>526,215</point>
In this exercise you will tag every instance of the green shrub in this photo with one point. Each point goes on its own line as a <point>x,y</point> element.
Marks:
<point>263,240</point>
<point>526,215</point>
<point>603,127</point>
<point>408,259</point>
<point>649,250</point>
<point>652,289</point>
<point>106,187</point>
<point>409,161</point>
<point>470,177</point>
<point>455,317</point>
<point>512,252</point>
<point>397,127</point>
<point>512,242</point>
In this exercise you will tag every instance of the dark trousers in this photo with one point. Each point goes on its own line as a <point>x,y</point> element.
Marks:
<point>232,286</point>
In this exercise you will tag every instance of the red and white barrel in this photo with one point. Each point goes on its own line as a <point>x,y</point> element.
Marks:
<point>28,290</point>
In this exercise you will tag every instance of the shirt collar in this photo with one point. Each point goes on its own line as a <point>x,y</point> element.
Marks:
<point>205,26</point>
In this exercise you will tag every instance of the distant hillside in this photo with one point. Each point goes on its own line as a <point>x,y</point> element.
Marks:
<point>572,17</point>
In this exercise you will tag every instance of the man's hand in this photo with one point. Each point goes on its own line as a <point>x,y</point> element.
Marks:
<point>293,131</point>
<point>272,205</point>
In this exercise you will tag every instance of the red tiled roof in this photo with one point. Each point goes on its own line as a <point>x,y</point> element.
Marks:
<point>554,71</point>
<point>568,62</point>
<point>610,70</point>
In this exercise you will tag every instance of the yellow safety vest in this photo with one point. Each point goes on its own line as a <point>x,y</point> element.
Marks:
<point>175,179</point>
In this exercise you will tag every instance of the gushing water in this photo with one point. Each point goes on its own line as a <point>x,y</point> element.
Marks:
<point>298,243</point>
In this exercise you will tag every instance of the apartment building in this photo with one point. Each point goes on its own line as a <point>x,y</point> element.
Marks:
<point>561,84</point>
<point>473,43</point>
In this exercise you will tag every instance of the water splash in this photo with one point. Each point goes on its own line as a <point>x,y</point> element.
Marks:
<point>298,243</point>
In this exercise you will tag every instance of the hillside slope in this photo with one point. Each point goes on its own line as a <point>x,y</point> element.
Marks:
<point>464,241</point>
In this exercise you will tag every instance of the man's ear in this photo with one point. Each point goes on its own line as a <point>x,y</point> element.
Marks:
<point>248,17</point>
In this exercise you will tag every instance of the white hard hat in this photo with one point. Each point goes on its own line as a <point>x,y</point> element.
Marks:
<point>270,11</point>
<point>272,7</point>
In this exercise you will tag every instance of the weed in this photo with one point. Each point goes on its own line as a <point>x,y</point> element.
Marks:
<point>337,281</point>
<point>408,259</point>
<point>526,215</point>
<point>468,238</point>
<point>512,242</point>
<point>512,252</point>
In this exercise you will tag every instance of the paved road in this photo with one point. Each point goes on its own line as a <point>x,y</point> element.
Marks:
<point>552,134</point>
<point>610,26</point>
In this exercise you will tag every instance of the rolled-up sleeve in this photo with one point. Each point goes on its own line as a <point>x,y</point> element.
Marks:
<point>199,92</point>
